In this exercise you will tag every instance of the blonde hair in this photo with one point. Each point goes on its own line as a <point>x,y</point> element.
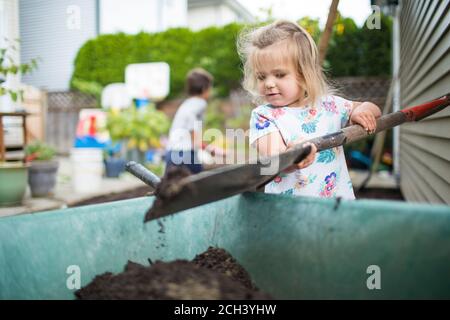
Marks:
<point>301,51</point>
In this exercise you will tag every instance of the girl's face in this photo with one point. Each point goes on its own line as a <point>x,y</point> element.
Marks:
<point>277,79</point>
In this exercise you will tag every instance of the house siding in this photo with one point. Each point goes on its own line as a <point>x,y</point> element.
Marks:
<point>46,33</point>
<point>425,75</point>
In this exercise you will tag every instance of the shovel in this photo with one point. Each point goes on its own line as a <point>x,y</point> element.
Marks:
<point>223,182</point>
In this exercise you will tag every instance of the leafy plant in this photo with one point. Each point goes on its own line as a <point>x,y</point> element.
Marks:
<point>9,67</point>
<point>141,128</point>
<point>39,150</point>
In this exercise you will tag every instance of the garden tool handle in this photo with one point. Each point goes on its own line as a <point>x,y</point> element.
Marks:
<point>142,173</point>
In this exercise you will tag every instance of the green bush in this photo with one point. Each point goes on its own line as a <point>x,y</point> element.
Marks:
<point>357,51</point>
<point>376,49</point>
<point>103,60</point>
<point>353,51</point>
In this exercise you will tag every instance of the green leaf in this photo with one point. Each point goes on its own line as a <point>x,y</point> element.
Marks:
<point>13,95</point>
<point>40,151</point>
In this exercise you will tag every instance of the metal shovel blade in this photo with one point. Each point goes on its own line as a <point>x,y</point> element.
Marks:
<point>220,183</point>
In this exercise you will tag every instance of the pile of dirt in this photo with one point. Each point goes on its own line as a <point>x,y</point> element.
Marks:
<point>220,260</point>
<point>213,274</point>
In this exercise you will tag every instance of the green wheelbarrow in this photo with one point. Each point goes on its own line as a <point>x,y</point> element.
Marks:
<point>293,247</point>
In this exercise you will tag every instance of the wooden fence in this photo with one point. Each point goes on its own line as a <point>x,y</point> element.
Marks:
<point>62,117</point>
<point>372,89</point>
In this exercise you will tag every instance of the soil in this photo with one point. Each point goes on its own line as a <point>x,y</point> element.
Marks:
<point>212,275</point>
<point>166,189</point>
<point>220,260</point>
<point>130,194</point>
<point>379,193</point>
<point>173,175</point>
<point>384,194</point>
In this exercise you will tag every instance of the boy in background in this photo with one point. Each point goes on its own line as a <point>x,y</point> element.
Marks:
<point>184,136</point>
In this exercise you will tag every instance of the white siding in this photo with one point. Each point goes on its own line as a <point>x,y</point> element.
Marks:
<point>9,29</point>
<point>133,16</point>
<point>48,32</point>
<point>226,16</point>
<point>203,13</point>
<point>200,18</point>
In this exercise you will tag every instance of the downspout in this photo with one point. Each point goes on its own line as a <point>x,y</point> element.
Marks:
<point>396,103</point>
<point>97,17</point>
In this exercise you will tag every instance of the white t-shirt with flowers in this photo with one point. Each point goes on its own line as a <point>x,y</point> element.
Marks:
<point>328,176</point>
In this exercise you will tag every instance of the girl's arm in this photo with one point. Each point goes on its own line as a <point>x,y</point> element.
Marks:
<point>272,144</point>
<point>365,114</point>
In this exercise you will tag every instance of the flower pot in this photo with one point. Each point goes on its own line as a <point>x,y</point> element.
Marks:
<point>114,167</point>
<point>42,178</point>
<point>13,177</point>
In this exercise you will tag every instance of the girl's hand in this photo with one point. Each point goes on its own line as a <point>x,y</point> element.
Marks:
<point>306,161</point>
<point>365,115</point>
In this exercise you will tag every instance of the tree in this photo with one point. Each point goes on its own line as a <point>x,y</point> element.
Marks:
<point>325,38</point>
<point>312,26</point>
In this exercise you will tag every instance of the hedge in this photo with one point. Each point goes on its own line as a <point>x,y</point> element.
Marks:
<point>103,60</point>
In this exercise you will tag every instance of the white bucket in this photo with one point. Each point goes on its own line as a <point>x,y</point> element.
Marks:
<point>87,169</point>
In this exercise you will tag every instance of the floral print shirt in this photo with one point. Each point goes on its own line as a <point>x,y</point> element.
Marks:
<point>328,176</point>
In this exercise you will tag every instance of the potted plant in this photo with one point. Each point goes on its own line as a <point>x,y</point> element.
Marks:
<point>137,129</point>
<point>43,168</point>
<point>113,160</point>
<point>13,175</point>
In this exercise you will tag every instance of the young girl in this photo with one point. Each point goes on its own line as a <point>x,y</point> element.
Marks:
<point>282,70</point>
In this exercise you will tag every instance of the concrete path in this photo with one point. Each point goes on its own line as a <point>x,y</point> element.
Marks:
<point>66,196</point>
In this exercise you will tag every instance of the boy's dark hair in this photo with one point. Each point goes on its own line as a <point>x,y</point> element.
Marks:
<point>198,81</point>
